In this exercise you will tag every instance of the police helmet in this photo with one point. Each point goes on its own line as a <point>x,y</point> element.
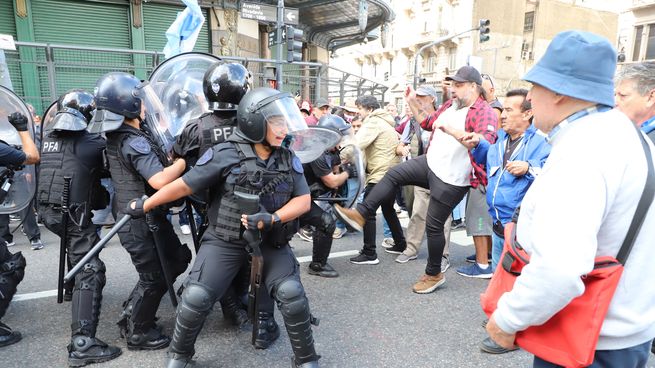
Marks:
<point>74,111</point>
<point>335,123</point>
<point>225,84</point>
<point>116,99</point>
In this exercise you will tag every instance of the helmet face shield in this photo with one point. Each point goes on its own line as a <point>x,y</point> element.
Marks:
<point>68,119</point>
<point>283,113</point>
<point>158,119</point>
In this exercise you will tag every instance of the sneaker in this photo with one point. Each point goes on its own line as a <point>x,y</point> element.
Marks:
<point>186,229</point>
<point>427,283</point>
<point>350,216</point>
<point>10,244</point>
<point>403,258</point>
<point>388,243</point>
<point>471,258</point>
<point>305,234</point>
<point>457,224</point>
<point>445,264</point>
<point>489,346</point>
<point>473,270</point>
<point>325,270</point>
<point>37,244</point>
<point>365,259</point>
<point>403,214</point>
<point>339,233</point>
<point>394,250</point>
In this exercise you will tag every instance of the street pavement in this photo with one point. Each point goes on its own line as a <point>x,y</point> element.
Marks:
<point>369,316</point>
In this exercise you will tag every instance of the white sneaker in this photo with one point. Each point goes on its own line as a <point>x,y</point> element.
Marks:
<point>37,244</point>
<point>186,229</point>
<point>388,243</point>
<point>305,235</point>
<point>339,233</point>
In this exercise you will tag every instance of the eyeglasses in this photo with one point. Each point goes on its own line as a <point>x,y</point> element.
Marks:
<point>488,77</point>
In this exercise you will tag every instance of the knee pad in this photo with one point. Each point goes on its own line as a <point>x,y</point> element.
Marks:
<point>291,297</point>
<point>328,224</point>
<point>198,297</point>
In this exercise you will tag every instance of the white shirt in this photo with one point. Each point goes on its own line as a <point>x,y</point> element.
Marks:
<point>580,207</point>
<point>447,158</point>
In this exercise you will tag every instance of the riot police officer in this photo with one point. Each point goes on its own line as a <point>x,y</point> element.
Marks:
<point>137,166</point>
<point>12,266</point>
<point>69,150</point>
<point>224,85</point>
<point>252,161</point>
<point>323,180</point>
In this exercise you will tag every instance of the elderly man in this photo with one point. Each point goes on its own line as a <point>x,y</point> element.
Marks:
<point>572,94</point>
<point>635,95</point>
<point>446,169</point>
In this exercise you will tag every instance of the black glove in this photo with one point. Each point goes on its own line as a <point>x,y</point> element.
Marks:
<point>18,121</point>
<point>350,169</point>
<point>137,211</point>
<point>263,221</point>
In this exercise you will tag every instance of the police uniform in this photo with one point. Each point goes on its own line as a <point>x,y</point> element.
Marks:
<point>226,168</point>
<point>203,133</point>
<point>12,266</point>
<point>133,159</point>
<point>322,221</point>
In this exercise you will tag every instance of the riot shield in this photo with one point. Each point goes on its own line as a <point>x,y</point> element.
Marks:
<point>21,180</point>
<point>308,144</point>
<point>47,121</point>
<point>177,82</point>
<point>157,118</point>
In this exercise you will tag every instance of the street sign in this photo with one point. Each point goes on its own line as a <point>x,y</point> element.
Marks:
<point>272,37</point>
<point>268,13</point>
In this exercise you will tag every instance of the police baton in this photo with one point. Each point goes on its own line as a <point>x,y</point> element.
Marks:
<point>63,241</point>
<point>97,248</point>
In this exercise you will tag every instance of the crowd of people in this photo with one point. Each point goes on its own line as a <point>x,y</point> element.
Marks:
<point>571,144</point>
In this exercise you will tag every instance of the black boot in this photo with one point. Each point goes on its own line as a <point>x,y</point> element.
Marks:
<point>323,270</point>
<point>150,339</point>
<point>85,350</point>
<point>267,330</point>
<point>8,336</point>
<point>232,309</point>
<point>312,364</point>
<point>178,360</point>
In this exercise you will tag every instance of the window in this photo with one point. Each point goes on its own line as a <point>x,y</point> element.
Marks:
<point>650,45</point>
<point>528,23</point>
<point>637,45</point>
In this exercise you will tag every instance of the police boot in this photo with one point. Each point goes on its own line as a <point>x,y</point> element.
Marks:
<point>84,350</point>
<point>294,307</point>
<point>197,301</point>
<point>147,339</point>
<point>232,310</point>
<point>267,330</point>
<point>8,336</point>
<point>320,253</point>
<point>313,364</point>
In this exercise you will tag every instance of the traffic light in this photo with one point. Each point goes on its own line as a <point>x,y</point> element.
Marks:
<point>484,30</point>
<point>294,44</point>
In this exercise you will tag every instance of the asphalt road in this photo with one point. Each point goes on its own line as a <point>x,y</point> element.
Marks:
<point>369,316</point>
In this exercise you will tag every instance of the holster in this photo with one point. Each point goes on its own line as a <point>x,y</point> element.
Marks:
<point>281,234</point>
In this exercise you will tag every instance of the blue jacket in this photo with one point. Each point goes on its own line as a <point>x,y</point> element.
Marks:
<point>504,190</point>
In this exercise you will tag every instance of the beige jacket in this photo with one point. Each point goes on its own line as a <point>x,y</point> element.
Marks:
<point>378,140</point>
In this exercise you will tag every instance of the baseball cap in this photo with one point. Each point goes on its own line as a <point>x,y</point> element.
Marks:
<point>466,73</point>
<point>305,106</point>
<point>426,91</point>
<point>321,102</point>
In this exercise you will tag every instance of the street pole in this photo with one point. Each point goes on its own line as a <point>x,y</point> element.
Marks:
<point>438,41</point>
<point>279,25</point>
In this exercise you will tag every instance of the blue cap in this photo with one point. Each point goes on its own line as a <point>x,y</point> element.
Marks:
<point>577,64</point>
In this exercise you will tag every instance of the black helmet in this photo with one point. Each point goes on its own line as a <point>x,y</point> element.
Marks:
<point>262,104</point>
<point>336,123</point>
<point>116,99</point>
<point>79,100</point>
<point>225,84</point>
<point>74,111</point>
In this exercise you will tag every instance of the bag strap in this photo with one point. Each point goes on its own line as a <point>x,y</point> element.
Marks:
<point>643,206</point>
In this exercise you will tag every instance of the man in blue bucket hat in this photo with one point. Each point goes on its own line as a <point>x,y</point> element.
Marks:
<point>598,168</point>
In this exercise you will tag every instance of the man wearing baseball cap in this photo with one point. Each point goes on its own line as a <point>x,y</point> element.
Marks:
<point>447,169</point>
<point>597,169</point>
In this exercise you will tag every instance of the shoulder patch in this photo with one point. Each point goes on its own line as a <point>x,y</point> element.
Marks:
<point>206,157</point>
<point>140,145</point>
<point>297,165</point>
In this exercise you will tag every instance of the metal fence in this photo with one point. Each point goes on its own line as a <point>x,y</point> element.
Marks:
<point>41,72</point>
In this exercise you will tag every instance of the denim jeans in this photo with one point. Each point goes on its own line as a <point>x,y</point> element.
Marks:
<point>632,357</point>
<point>496,250</point>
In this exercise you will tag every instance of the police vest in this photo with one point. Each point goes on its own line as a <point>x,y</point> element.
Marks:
<point>274,187</point>
<point>59,159</point>
<point>214,130</point>
<point>128,183</point>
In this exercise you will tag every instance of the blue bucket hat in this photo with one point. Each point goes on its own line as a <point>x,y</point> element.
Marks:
<point>577,64</point>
